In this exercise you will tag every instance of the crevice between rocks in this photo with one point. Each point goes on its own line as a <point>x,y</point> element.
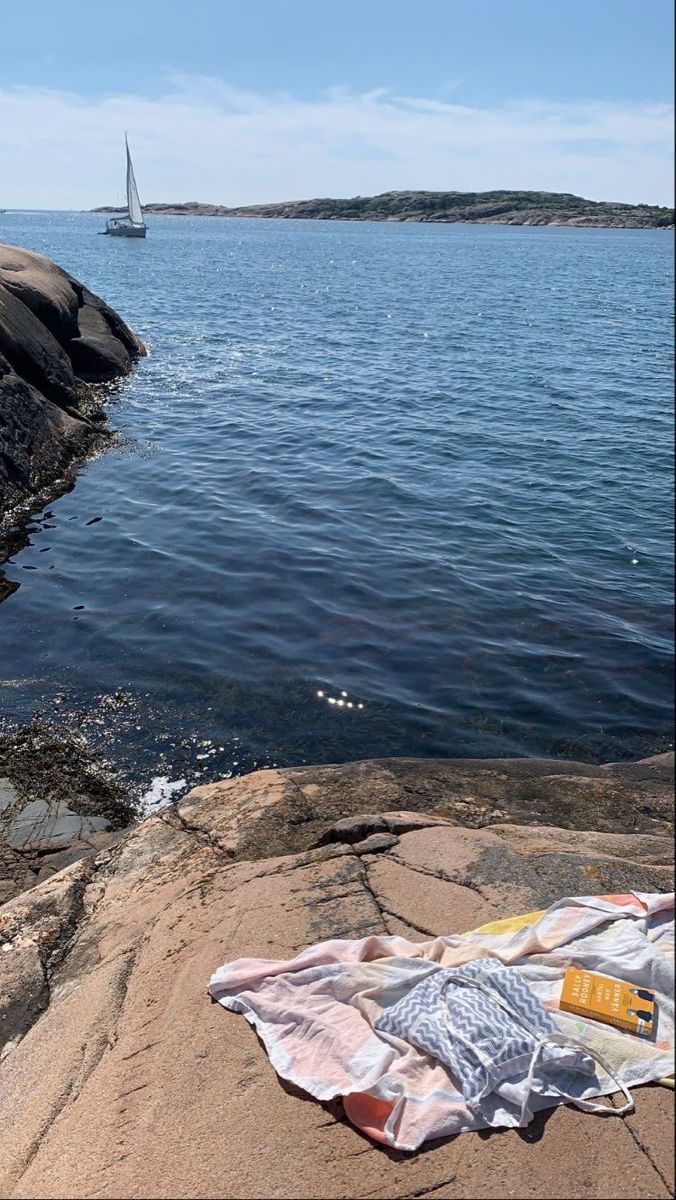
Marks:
<point>426,1191</point>
<point>641,1146</point>
<point>420,1191</point>
<point>368,887</point>
<point>91,1055</point>
<point>53,950</point>
<point>460,880</point>
<point>176,821</point>
<point>388,912</point>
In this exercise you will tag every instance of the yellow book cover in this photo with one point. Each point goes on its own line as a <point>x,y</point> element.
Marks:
<point>612,1001</point>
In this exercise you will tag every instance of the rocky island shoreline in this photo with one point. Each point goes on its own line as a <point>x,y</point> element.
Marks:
<point>481,208</point>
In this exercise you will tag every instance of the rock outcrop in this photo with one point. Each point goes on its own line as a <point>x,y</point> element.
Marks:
<point>57,803</point>
<point>56,339</point>
<point>152,1091</point>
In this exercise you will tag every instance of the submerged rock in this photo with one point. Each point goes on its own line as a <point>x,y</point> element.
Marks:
<point>58,804</point>
<point>56,339</point>
<point>151,1090</point>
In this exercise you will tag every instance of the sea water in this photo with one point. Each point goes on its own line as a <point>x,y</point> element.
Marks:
<point>379,489</point>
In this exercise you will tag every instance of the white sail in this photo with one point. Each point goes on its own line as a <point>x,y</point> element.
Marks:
<point>133,202</point>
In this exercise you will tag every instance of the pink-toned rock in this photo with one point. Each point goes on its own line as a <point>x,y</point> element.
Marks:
<point>129,1083</point>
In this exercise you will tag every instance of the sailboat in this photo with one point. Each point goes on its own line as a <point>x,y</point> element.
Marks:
<point>131,224</point>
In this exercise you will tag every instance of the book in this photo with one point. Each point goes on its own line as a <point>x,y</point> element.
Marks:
<point>612,1001</point>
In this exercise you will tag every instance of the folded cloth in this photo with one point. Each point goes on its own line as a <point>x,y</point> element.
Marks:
<point>318,1013</point>
<point>485,1025</point>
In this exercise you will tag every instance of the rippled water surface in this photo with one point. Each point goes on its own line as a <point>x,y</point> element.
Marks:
<point>427,466</point>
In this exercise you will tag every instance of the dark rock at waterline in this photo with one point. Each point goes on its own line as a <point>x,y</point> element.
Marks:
<point>34,354</point>
<point>37,437</point>
<point>56,339</point>
<point>95,354</point>
<point>59,803</point>
<point>44,288</point>
<point>50,764</point>
<point>57,298</point>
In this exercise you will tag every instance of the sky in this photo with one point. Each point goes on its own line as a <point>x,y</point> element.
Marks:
<point>243,103</point>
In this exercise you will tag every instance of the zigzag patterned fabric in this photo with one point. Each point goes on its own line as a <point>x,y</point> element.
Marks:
<point>480,1021</point>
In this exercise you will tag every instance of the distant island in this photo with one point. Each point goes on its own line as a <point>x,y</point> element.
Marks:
<point>482,208</point>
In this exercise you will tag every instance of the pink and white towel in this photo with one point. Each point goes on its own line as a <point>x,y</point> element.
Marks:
<point>316,1013</point>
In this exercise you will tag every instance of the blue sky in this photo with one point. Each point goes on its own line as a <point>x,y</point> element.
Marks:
<point>240,103</point>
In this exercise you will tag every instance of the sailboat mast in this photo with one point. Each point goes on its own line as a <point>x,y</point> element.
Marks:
<point>129,170</point>
<point>133,202</point>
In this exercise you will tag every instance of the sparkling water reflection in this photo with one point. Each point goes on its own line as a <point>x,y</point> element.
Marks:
<point>423,470</point>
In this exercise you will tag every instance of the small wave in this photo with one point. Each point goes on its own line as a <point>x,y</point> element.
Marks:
<point>162,791</point>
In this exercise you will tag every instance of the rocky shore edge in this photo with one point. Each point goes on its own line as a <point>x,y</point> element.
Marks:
<point>61,346</point>
<point>61,802</point>
<point>61,349</point>
<point>151,1090</point>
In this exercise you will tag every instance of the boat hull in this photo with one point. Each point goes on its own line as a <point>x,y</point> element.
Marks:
<point>135,231</point>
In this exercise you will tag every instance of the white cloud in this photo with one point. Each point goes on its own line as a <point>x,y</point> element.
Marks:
<point>204,140</point>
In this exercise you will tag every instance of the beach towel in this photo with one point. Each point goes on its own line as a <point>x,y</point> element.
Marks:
<point>318,1014</point>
